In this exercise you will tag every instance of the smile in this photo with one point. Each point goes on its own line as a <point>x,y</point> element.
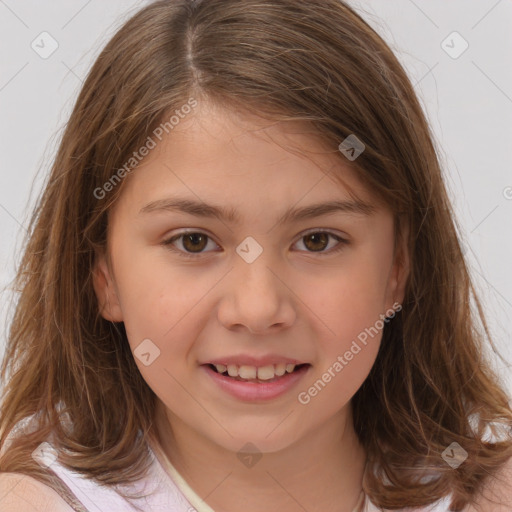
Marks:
<point>245,383</point>
<point>253,373</point>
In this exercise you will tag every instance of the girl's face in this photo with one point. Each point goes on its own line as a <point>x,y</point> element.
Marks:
<point>270,277</point>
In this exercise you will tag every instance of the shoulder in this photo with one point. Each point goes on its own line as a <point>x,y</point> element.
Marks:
<point>22,493</point>
<point>497,494</point>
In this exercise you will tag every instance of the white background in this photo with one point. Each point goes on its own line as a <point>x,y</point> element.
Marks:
<point>468,101</point>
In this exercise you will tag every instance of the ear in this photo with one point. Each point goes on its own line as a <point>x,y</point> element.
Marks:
<point>106,292</point>
<point>401,266</point>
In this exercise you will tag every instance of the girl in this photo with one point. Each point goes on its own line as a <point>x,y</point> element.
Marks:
<point>243,287</point>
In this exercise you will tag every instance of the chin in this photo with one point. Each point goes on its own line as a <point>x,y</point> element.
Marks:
<point>255,440</point>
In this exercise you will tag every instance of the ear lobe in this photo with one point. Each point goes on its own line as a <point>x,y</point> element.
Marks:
<point>401,267</point>
<point>106,294</point>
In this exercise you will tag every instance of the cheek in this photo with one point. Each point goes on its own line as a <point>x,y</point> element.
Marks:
<point>160,326</point>
<point>350,306</point>
<point>347,349</point>
<point>160,308</point>
<point>347,300</point>
<point>336,382</point>
<point>153,294</point>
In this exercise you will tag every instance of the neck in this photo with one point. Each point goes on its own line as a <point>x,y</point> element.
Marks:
<point>321,471</point>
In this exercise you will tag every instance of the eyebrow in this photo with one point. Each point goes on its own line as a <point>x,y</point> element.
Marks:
<point>201,209</point>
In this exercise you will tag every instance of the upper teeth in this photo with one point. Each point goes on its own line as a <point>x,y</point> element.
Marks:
<point>253,372</point>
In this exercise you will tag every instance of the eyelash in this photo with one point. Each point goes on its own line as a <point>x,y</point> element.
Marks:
<point>168,243</point>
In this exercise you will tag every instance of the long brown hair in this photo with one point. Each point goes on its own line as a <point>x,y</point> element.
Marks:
<point>318,62</point>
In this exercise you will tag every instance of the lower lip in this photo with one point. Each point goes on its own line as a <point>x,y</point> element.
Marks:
<point>254,391</point>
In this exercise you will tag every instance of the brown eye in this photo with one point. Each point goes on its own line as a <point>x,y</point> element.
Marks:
<point>318,241</point>
<point>194,242</point>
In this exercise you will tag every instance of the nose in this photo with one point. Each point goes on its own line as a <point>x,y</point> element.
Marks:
<point>256,297</point>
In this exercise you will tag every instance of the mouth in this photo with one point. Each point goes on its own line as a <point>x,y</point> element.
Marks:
<point>262,375</point>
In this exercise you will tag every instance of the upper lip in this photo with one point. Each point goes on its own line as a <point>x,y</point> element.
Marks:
<point>247,360</point>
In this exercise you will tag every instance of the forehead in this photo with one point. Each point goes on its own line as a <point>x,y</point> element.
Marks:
<point>219,156</point>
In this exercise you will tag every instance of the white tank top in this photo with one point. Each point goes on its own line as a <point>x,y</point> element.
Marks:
<point>163,487</point>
